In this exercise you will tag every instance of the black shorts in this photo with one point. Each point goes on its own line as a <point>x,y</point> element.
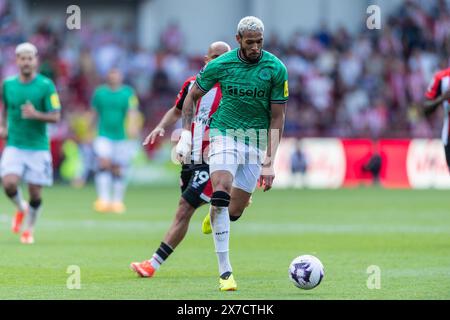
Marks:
<point>195,184</point>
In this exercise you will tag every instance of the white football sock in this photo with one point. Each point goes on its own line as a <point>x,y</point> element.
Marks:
<point>33,214</point>
<point>119,186</point>
<point>103,180</point>
<point>18,200</point>
<point>156,261</point>
<point>161,254</point>
<point>220,223</point>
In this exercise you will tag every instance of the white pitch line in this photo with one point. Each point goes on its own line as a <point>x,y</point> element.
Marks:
<point>239,227</point>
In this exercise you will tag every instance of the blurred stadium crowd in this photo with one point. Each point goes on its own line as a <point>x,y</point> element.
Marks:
<point>370,84</point>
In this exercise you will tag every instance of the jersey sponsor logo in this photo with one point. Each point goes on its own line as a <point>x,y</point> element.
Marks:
<point>286,89</point>
<point>245,91</point>
<point>203,121</point>
<point>264,74</point>
<point>54,101</point>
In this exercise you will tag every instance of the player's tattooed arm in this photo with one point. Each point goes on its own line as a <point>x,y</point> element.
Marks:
<point>431,105</point>
<point>189,106</point>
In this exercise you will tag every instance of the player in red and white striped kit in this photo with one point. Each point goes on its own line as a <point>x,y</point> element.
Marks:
<point>438,93</point>
<point>196,187</point>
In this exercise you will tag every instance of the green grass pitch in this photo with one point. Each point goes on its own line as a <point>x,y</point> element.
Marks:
<point>405,233</point>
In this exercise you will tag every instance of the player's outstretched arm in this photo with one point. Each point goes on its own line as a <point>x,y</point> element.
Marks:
<point>168,120</point>
<point>274,137</point>
<point>430,106</point>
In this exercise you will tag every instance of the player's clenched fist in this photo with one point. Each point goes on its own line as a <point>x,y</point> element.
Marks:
<point>183,148</point>
<point>28,111</point>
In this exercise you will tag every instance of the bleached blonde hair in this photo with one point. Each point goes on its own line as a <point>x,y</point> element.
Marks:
<point>26,47</point>
<point>250,23</point>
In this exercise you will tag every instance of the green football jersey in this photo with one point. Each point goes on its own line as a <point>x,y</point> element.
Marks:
<point>248,89</point>
<point>41,92</point>
<point>112,108</point>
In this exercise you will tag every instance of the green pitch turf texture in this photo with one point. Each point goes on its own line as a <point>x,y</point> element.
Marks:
<point>405,233</point>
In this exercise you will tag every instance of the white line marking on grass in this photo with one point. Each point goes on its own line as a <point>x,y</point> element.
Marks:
<point>238,227</point>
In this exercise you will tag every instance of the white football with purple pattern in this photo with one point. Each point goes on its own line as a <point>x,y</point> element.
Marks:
<point>306,272</point>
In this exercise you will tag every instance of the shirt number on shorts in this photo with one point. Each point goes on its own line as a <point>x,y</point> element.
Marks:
<point>201,176</point>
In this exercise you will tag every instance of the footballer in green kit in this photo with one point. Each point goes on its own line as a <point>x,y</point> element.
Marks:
<point>118,124</point>
<point>30,101</point>
<point>244,132</point>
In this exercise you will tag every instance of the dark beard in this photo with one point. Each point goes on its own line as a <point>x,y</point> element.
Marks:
<point>27,73</point>
<point>251,60</point>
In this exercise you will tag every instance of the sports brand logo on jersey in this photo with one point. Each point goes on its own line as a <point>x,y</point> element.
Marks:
<point>264,74</point>
<point>245,91</point>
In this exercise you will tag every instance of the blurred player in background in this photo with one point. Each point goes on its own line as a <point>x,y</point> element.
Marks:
<point>254,95</point>
<point>83,134</point>
<point>118,122</point>
<point>438,93</point>
<point>30,101</point>
<point>196,187</point>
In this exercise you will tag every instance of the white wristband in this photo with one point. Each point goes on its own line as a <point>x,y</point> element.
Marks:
<point>186,137</point>
<point>183,147</point>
